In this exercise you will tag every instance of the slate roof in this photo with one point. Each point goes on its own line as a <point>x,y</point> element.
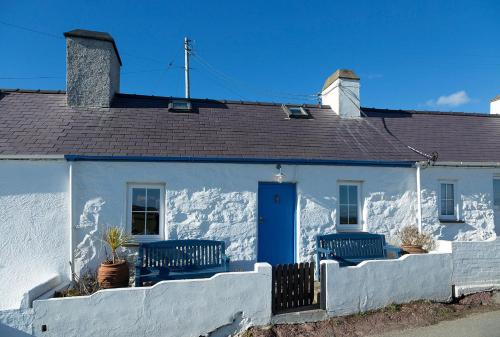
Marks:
<point>454,136</point>
<point>40,123</point>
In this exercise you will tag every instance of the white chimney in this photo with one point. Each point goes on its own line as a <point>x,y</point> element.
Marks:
<point>92,69</point>
<point>495,106</point>
<point>341,93</point>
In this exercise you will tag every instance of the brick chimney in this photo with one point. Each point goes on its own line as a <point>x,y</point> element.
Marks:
<point>92,69</point>
<point>495,106</point>
<point>341,93</point>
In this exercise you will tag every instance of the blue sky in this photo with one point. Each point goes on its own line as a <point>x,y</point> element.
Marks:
<point>432,55</point>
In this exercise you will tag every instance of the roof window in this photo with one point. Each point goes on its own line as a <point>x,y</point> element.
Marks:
<point>179,106</point>
<point>296,111</point>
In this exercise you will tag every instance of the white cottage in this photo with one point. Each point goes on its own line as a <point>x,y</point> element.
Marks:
<point>265,178</point>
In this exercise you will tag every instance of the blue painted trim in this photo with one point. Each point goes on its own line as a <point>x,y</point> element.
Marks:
<point>383,163</point>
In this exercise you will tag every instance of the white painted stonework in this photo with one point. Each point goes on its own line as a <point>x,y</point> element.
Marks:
<point>476,266</point>
<point>219,202</point>
<point>222,305</point>
<point>378,283</point>
<point>34,231</point>
<point>211,201</point>
<point>474,199</point>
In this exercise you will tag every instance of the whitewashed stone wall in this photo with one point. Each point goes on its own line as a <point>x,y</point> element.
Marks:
<point>34,230</point>
<point>378,283</point>
<point>219,201</point>
<point>474,191</point>
<point>476,266</point>
<point>16,323</point>
<point>219,306</point>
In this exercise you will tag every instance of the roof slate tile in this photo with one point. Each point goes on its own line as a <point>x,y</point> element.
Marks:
<point>41,123</point>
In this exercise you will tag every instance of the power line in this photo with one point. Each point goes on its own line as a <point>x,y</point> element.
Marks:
<point>54,36</point>
<point>242,85</point>
<point>31,78</point>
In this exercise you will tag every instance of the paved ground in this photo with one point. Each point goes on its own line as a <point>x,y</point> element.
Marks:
<point>477,325</point>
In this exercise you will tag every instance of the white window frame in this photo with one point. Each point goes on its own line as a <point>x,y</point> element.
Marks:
<point>456,203</point>
<point>496,208</point>
<point>146,238</point>
<point>352,227</point>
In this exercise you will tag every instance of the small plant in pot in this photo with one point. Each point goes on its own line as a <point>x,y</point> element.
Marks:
<point>415,242</point>
<point>114,272</point>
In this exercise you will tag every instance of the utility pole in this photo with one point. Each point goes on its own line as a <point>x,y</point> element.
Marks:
<point>187,51</point>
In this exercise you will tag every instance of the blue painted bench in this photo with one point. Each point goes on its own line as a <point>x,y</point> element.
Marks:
<point>349,249</point>
<point>179,259</point>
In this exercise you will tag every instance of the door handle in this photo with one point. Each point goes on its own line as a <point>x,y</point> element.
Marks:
<point>261,220</point>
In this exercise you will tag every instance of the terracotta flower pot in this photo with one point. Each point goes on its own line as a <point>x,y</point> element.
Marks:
<point>113,275</point>
<point>413,249</point>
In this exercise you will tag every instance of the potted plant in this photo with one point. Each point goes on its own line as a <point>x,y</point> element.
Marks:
<point>415,242</point>
<point>114,272</point>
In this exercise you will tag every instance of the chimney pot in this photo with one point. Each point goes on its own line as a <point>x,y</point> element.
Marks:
<point>341,93</point>
<point>495,106</point>
<point>92,69</point>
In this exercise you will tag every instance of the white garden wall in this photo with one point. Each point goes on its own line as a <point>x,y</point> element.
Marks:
<point>476,266</point>
<point>378,283</point>
<point>223,304</point>
<point>474,194</point>
<point>219,201</point>
<point>34,226</point>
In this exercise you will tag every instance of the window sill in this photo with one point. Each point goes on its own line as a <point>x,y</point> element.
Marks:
<point>349,228</point>
<point>451,221</point>
<point>132,244</point>
<point>138,239</point>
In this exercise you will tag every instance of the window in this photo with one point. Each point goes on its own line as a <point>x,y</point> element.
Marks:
<point>179,106</point>
<point>349,206</point>
<point>146,211</point>
<point>295,111</point>
<point>447,200</point>
<point>496,193</point>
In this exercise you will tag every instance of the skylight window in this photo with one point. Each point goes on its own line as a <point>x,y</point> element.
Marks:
<point>179,105</point>
<point>296,111</point>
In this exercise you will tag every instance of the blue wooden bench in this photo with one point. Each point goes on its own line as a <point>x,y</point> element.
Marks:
<point>180,259</point>
<point>349,249</point>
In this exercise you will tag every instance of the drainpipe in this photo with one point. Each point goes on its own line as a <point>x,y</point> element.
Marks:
<point>70,197</point>
<point>419,201</point>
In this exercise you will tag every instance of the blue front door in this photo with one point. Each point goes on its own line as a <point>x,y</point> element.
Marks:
<point>276,219</point>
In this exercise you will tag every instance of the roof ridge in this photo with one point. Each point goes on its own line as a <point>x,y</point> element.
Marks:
<point>33,91</point>
<point>430,112</point>
<point>225,101</point>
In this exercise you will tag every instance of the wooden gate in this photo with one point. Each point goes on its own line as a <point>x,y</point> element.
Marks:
<point>293,286</point>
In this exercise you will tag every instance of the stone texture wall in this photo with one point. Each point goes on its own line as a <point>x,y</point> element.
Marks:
<point>476,266</point>
<point>474,193</point>
<point>219,201</point>
<point>92,72</point>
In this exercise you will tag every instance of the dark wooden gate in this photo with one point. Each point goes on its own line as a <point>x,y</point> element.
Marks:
<point>293,286</point>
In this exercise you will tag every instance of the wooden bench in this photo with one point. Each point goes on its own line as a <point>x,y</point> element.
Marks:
<point>180,259</point>
<point>349,249</point>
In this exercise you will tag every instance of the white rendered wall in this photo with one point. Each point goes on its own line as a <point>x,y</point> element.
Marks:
<point>219,201</point>
<point>495,107</point>
<point>223,304</point>
<point>474,195</point>
<point>378,283</point>
<point>476,266</point>
<point>34,226</point>
<point>343,97</point>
